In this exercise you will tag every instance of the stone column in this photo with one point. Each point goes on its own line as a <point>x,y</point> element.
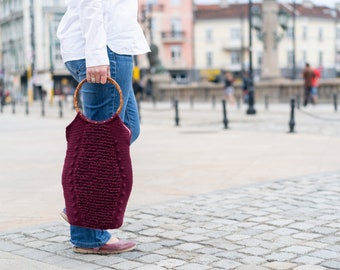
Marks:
<point>270,62</point>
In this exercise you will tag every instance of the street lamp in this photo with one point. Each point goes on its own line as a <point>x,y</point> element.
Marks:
<point>294,40</point>
<point>257,24</point>
<point>270,24</point>
<point>251,99</point>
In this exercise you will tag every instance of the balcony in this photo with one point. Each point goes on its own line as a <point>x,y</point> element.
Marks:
<point>173,37</point>
<point>233,46</point>
<point>152,7</point>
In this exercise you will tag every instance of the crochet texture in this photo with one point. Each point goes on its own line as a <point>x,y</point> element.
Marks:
<point>97,172</point>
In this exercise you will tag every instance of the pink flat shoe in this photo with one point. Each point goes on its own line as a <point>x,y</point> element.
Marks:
<point>113,248</point>
<point>64,215</point>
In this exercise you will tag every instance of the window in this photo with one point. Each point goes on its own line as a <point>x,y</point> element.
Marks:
<point>235,33</point>
<point>259,58</point>
<point>176,25</point>
<point>175,2</point>
<point>338,58</point>
<point>305,33</point>
<point>320,35</point>
<point>320,58</point>
<point>290,55</point>
<point>290,32</point>
<point>176,53</point>
<point>337,33</point>
<point>151,2</point>
<point>304,56</point>
<point>235,58</point>
<point>209,34</point>
<point>209,59</point>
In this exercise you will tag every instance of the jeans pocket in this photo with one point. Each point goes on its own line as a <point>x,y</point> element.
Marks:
<point>77,68</point>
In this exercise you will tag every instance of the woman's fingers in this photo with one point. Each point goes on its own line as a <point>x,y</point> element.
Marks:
<point>97,74</point>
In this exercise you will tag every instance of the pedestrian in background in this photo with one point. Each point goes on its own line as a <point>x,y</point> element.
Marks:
<point>245,86</point>
<point>315,85</point>
<point>229,90</point>
<point>137,89</point>
<point>307,75</point>
<point>98,40</point>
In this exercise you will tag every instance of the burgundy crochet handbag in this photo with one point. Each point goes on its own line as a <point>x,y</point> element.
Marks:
<point>97,172</point>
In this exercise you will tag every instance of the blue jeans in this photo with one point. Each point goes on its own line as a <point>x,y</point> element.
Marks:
<point>100,102</point>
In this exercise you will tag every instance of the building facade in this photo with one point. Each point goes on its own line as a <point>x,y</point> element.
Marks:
<point>191,39</point>
<point>222,39</point>
<point>31,64</point>
<point>168,24</point>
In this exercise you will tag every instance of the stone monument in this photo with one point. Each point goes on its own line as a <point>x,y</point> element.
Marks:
<point>270,62</point>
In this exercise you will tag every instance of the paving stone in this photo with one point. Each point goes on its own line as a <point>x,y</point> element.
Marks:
<point>285,224</point>
<point>280,265</point>
<point>332,264</point>
<point>253,260</point>
<point>193,266</point>
<point>237,237</point>
<point>171,263</point>
<point>330,239</point>
<point>32,253</point>
<point>251,267</point>
<point>325,254</point>
<point>147,247</point>
<point>301,226</point>
<point>206,259</point>
<point>310,267</point>
<point>108,260</point>
<point>256,251</point>
<point>226,264</point>
<point>306,236</point>
<point>86,266</point>
<point>281,256</point>
<point>280,222</point>
<point>308,260</point>
<point>151,258</point>
<point>150,267</point>
<point>151,232</point>
<point>285,231</point>
<point>298,249</point>
<point>128,265</point>
<point>189,246</point>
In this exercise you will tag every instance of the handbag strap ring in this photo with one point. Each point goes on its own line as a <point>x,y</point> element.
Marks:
<point>109,80</point>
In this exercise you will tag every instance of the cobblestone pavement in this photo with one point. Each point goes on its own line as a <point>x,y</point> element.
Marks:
<point>285,224</point>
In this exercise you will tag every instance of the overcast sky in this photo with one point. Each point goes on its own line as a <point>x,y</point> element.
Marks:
<point>330,3</point>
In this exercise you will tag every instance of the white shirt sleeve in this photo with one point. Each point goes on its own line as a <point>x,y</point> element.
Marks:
<point>90,26</point>
<point>91,14</point>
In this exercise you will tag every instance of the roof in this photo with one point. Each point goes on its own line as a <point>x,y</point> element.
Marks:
<point>210,12</point>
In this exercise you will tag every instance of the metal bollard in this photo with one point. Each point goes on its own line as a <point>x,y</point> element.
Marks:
<point>154,101</point>
<point>292,121</point>
<point>191,102</point>
<point>60,103</point>
<point>42,107</point>
<point>238,102</point>
<point>266,102</point>
<point>335,100</point>
<point>172,101</point>
<point>13,106</point>
<point>138,107</point>
<point>298,101</point>
<point>176,113</point>
<point>26,107</point>
<point>213,99</point>
<point>225,119</point>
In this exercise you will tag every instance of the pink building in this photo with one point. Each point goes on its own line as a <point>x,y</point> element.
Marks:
<point>169,25</point>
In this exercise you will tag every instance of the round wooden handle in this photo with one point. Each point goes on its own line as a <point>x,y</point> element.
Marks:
<point>110,80</point>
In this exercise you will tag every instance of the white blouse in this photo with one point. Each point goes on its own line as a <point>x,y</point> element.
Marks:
<point>88,26</point>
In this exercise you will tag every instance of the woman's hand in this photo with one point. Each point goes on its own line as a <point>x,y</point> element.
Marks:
<point>97,74</point>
